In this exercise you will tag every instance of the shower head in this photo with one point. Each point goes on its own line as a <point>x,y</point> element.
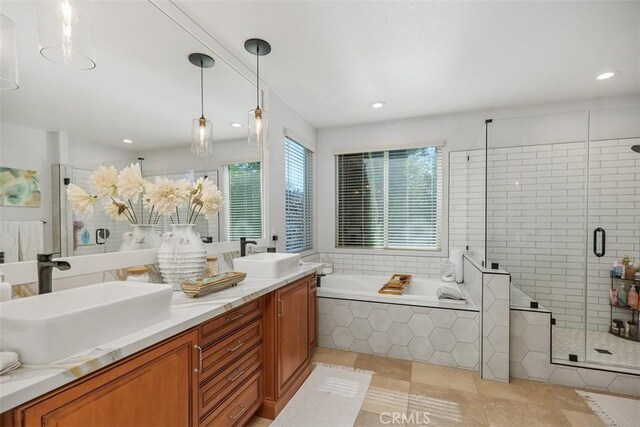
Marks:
<point>636,148</point>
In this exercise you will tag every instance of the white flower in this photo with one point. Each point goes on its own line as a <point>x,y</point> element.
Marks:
<point>115,209</point>
<point>105,181</point>
<point>166,195</point>
<point>212,202</point>
<point>130,182</point>
<point>81,202</point>
<point>204,185</point>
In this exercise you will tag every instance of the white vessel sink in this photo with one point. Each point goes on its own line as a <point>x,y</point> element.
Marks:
<point>50,327</point>
<point>267,265</point>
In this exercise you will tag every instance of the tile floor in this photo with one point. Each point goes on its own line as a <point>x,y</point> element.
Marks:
<point>456,396</point>
<point>625,353</point>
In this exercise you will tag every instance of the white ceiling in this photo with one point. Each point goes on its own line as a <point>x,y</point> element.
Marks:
<point>330,60</point>
<point>143,87</point>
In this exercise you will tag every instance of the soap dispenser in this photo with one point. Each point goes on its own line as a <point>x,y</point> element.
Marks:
<point>5,289</point>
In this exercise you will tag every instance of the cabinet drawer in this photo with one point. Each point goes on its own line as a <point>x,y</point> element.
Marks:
<point>221,385</point>
<point>229,321</point>
<point>241,405</point>
<point>218,356</point>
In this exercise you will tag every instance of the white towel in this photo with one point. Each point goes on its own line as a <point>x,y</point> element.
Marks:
<point>456,258</point>
<point>10,240</point>
<point>31,240</point>
<point>8,361</point>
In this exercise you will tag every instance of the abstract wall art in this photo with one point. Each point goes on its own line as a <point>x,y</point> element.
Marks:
<point>19,187</point>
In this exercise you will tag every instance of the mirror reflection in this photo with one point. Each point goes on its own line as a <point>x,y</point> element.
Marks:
<point>71,125</point>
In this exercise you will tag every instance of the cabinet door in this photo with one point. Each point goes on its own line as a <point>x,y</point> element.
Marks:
<point>293,331</point>
<point>155,388</point>
<point>313,312</point>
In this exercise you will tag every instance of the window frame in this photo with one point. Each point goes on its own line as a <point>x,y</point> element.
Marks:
<point>308,238</point>
<point>227,212</point>
<point>441,246</point>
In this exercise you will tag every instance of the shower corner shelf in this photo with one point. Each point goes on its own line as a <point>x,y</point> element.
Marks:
<point>615,282</point>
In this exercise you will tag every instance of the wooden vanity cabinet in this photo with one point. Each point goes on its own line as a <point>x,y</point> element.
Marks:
<point>288,339</point>
<point>220,373</point>
<point>313,313</point>
<point>156,387</point>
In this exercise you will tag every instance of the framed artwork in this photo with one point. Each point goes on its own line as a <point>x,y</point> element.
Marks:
<point>19,187</point>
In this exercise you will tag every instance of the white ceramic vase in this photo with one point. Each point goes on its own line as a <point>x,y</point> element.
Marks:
<point>141,236</point>
<point>182,255</point>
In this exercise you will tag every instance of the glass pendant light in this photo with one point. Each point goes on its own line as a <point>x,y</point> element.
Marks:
<point>66,36</point>
<point>8,55</point>
<point>258,116</point>
<point>202,129</point>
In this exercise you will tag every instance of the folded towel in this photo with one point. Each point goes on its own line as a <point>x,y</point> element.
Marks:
<point>8,361</point>
<point>445,292</point>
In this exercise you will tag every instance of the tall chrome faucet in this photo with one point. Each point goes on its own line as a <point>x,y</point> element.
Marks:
<point>243,245</point>
<point>46,264</point>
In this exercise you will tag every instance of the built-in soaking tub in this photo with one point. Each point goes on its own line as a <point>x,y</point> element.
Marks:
<point>414,326</point>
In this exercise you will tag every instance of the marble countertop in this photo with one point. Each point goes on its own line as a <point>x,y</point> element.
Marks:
<point>28,382</point>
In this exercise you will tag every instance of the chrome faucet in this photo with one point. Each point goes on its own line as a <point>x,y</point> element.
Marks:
<point>243,245</point>
<point>46,264</point>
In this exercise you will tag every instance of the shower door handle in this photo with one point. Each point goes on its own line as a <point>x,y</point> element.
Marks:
<point>599,233</point>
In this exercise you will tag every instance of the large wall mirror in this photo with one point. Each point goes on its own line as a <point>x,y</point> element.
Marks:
<point>136,106</point>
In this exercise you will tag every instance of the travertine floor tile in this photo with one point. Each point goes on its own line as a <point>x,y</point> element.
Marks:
<point>369,419</point>
<point>386,395</point>
<point>334,357</point>
<point>385,367</point>
<point>458,379</point>
<point>259,422</point>
<point>581,419</point>
<point>506,412</point>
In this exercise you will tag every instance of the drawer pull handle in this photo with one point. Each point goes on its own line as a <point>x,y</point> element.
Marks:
<point>199,368</point>
<point>237,316</point>
<point>281,308</point>
<point>232,379</point>
<point>240,412</point>
<point>232,349</point>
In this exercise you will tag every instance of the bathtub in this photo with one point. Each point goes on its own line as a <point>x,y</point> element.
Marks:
<point>353,316</point>
<point>421,292</point>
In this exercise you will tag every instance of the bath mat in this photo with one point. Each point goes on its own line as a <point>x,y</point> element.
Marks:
<point>613,411</point>
<point>331,397</point>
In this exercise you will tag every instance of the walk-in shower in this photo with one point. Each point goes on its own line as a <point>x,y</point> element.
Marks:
<point>562,207</point>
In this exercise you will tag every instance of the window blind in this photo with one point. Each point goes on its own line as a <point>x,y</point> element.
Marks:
<point>244,201</point>
<point>389,199</point>
<point>298,197</point>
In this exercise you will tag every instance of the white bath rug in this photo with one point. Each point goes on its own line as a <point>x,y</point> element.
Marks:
<point>613,411</point>
<point>332,396</point>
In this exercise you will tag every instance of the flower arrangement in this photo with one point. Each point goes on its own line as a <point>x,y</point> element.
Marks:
<point>119,191</point>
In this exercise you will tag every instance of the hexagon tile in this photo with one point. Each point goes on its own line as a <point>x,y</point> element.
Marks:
<point>439,336</point>
<point>495,327</point>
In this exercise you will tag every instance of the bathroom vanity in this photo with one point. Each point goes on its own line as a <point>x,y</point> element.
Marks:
<point>247,359</point>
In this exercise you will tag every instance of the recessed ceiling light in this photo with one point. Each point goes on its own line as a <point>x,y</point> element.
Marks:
<point>127,141</point>
<point>607,75</point>
<point>236,125</point>
<point>377,104</point>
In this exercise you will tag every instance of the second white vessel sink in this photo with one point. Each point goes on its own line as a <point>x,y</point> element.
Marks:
<point>46,328</point>
<point>267,265</point>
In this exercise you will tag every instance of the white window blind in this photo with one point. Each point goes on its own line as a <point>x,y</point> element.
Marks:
<point>298,196</point>
<point>244,201</point>
<point>389,199</point>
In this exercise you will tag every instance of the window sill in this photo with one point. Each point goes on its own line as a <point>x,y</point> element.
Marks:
<point>425,253</point>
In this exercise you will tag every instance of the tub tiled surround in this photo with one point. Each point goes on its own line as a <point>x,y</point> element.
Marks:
<point>530,358</point>
<point>439,336</point>
<point>365,264</point>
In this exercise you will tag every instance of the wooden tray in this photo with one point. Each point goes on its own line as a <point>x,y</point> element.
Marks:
<point>220,282</point>
<point>396,285</point>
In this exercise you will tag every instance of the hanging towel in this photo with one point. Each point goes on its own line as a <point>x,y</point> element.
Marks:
<point>31,240</point>
<point>10,240</point>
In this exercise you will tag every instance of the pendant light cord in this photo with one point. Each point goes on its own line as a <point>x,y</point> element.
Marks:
<point>202,87</point>
<point>258,76</point>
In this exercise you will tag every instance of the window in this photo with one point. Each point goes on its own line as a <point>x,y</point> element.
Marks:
<point>389,199</point>
<point>298,166</point>
<point>244,201</point>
